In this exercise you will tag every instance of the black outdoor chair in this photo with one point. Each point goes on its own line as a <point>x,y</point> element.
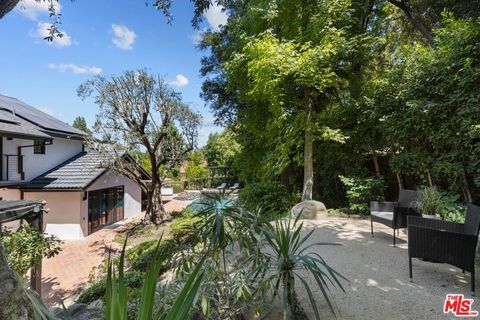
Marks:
<point>448,242</point>
<point>394,214</point>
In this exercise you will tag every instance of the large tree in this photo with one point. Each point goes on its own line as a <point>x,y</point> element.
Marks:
<point>81,124</point>
<point>276,65</point>
<point>221,148</point>
<point>139,111</point>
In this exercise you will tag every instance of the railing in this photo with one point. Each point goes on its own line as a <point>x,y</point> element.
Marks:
<point>12,168</point>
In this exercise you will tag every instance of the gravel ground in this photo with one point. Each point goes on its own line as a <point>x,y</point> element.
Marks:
<point>379,286</point>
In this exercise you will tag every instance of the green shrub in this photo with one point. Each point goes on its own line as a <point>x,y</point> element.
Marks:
<point>271,196</point>
<point>27,246</point>
<point>142,254</point>
<point>343,212</point>
<point>133,280</point>
<point>360,191</point>
<point>183,227</point>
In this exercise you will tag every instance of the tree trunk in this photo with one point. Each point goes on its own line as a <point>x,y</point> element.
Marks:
<point>417,22</point>
<point>399,180</point>
<point>295,309</point>
<point>308,149</point>
<point>468,194</point>
<point>12,297</point>
<point>155,210</point>
<point>377,167</point>
<point>6,6</point>
<point>429,177</point>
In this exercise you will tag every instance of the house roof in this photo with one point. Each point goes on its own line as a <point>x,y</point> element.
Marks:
<point>19,110</point>
<point>74,174</point>
<point>14,126</point>
<point>77,173</point>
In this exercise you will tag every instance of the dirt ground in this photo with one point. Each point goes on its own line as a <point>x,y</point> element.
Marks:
<point>379,286</point>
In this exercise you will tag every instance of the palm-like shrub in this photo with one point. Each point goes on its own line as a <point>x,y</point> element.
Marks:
<point>116,296</point>
<point>288,254</point>
<point>218,227</point>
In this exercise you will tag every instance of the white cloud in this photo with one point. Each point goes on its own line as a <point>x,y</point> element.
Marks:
<point>197,36</point>
<point>63,67</point>
<point>123,38</point>
<point>208,122</point>
<point>215,16</point>
<point>42,31</point>
<point>180,81</point>
<point>33,9</point>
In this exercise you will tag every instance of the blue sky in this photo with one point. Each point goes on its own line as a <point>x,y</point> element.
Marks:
<point>107,37</point>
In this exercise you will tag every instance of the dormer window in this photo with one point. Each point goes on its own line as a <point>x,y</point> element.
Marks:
<point>39,147</point>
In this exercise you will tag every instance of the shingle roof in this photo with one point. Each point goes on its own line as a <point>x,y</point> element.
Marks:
<point>35,116</point>
<point>76,173</point>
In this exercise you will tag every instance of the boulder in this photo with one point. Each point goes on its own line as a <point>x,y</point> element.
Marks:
<point>80,311</point>
<point>97,304</point>
<point>310,209</point>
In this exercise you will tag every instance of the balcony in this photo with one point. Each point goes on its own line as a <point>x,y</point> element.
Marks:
<point>12,169</point>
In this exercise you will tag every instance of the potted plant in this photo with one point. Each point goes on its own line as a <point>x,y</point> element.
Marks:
<point>432,203</point>
<point>429,202</point>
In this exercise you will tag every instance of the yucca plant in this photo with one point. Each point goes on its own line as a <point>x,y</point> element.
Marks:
<point>116,296</point>
<point>217,228</point>
<point>287,255</point>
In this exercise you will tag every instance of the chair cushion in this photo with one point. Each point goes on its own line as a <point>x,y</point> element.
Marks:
<point>383,215</point>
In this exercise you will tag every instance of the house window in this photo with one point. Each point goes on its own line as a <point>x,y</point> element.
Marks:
<point>39,147</point>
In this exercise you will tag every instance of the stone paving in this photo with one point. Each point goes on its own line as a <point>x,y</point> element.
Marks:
<point>64,274</point>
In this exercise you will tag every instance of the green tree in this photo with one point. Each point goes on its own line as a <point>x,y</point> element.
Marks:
<point>221,148</point>
<point>81,124</point>
<point>196,166</point>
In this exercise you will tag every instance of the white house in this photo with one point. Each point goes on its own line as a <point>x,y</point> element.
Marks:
<point>43,158</point>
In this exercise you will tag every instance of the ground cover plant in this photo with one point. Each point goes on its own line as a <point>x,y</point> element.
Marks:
<point>251,262</point>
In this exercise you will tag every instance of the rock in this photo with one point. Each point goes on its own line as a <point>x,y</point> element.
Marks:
<point>81,311</point>
<point>97,304</point>
<point>310,209</point>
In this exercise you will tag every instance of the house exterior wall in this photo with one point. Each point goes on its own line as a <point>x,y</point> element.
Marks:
<point>132,192</point>
<point>10,194</point>
<point>64,218</point>
<point>34,165</point>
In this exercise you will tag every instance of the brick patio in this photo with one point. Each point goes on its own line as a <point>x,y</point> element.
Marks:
<point>66,273</point>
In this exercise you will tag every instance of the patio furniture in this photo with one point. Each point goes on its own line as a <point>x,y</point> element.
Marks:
<point>447,242</point>
<point>235,186</point>
<point>394,214</point>
<point>223,186</point>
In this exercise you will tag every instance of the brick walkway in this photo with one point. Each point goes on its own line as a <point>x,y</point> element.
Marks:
<point>64,274</point>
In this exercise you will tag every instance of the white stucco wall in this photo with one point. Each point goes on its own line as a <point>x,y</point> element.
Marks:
<point>132,192</point>
<point>36,164</point>
<point>64,218</point>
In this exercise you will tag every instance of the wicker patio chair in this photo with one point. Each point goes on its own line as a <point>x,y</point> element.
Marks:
<point>394,214</point>
<point>447,242</point>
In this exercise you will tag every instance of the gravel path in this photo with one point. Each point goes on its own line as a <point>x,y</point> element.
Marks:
<point>379,286</point>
